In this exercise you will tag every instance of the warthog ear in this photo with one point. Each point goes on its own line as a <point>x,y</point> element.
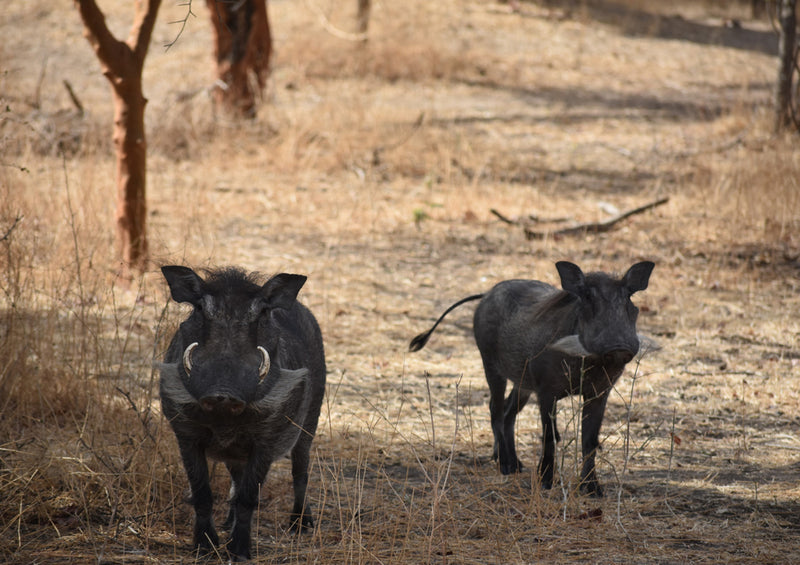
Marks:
<point>281,290</point>
<point>184,284</point>
<point>638,276</point>
<point>572,278</point>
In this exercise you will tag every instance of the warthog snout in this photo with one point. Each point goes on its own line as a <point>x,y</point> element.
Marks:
<point>618,357</point>
<point>223,404</point>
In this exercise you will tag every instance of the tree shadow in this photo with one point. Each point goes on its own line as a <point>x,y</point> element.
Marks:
<point>634,22</point>
<point>695,494</point>
<point>600,104</point>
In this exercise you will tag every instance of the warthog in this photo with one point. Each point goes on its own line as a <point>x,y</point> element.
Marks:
<point>554,343</point>
<point>242,382</point>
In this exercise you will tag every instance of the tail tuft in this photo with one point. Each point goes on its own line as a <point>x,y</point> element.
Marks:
<point>419,341</point>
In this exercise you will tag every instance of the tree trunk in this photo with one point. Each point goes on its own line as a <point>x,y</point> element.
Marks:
<point>787,60</point>
<point>242,46</point>
<point>122,63</point>
<point>362,16</point>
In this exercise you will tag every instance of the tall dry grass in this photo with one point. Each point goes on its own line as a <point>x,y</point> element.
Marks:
<point>364,159</point>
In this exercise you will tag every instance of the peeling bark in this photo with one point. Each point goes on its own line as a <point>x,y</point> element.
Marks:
<point>122,63</point>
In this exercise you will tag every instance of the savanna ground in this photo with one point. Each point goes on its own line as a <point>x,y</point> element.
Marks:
<point>372,169</point>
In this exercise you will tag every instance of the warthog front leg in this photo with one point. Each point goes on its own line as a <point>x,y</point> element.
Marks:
<point>247,481</point>
<point>593,410</point>
<point>194,461</point>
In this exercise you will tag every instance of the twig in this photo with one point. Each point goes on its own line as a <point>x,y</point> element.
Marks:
<point>672,442</point>
<point>503,218</point>
<point>37,97</point>
<point>398,142</point>
<point>73,97</point>
<point>7,235</point>
<point>711,373</point>
<point>595,227</point>
<point>182,23</point>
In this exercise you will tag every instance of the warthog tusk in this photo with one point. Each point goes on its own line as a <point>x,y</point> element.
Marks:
<point>187,357</point>
<point>263,369</point>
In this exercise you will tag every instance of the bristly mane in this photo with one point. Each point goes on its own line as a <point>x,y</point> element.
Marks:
<point>557,300</point>
<point>598,277</point>
<point>232,280</point>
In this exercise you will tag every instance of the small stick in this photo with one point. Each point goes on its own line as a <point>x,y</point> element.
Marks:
<point>73,97</point>
<point>502,217</point>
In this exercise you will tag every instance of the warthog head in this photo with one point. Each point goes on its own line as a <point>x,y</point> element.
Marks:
<point>606,325</point>
<point>227,348</point>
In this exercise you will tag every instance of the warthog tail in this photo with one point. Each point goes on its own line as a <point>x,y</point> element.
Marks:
<point>419,341</point>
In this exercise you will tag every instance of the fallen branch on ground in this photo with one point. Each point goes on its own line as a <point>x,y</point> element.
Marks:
<point>531,217</point>
<point>589,227</point>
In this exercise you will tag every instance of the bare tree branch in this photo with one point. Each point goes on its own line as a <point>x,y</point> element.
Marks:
<point>142,29</point>
<point>182,22</point>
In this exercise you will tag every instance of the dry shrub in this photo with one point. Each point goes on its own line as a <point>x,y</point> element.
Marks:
<point>759,189</point>
<point>79,437</point>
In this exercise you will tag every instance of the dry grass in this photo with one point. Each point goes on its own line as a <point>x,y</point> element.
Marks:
<point>372,169</point>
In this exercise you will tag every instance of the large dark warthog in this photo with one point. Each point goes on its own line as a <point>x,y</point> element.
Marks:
<point>242,382</point>
<point>554,343</point>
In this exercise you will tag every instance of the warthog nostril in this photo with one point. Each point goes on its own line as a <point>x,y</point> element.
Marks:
<point>222,403</point>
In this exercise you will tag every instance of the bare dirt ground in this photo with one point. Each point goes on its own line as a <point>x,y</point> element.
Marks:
<point>373,169</point>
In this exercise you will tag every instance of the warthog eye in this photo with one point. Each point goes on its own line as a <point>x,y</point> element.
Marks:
<point>263,369</point>
<point>187,358</point>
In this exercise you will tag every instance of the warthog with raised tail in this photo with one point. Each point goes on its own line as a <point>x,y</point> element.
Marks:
<point>242,382</point>
<point>554,343</point>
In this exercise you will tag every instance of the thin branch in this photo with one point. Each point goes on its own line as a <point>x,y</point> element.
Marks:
<point>74,97</point>
<point>594,227</point>
<point>503,218</point>
<point>37,97</point>
<point>7,235</point>
<point>712,373</point>
<point>412,130</point>
<point>182,22</point>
